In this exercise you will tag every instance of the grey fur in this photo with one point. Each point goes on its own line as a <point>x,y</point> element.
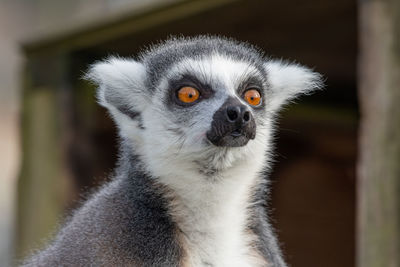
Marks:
<point>160,57</point>
<point>125,224</point>
<point>130,221</point>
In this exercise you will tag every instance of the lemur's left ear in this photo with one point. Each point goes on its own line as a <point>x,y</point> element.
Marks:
<point>121,85</point>
<point>287,81</point>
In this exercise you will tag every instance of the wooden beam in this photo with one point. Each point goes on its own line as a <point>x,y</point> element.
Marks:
<point>44,184</point>
<point>121,26</point>
<point>378,237</point>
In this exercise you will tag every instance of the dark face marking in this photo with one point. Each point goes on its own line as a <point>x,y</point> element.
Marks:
<point>251,83</point>
<point>191,81</point>
<point>127,111</point>
<point>205,263</point>
<point>206,168</point>
<point>140,124</point>
<point>233,125</point>
<point>134,115</point>
<point>124,108</point>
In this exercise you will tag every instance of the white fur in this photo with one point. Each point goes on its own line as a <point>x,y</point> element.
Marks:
<point>287,81</point>
<point>123,79</point>
<point>216,67</point>
<point>211,211</point>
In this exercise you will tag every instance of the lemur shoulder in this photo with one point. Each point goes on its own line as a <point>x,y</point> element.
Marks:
<point>195,117</point>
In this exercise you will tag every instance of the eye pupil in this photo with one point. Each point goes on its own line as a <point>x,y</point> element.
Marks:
<point>253,97</point>
<point>188,94</point>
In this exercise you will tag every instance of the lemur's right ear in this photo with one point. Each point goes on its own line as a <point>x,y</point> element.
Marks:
<point>121,85</point>
<point>288,80</point>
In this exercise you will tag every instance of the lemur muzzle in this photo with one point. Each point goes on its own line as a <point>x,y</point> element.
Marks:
<point>233,125</point>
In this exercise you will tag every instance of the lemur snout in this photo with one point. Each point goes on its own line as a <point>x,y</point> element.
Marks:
<point>233,125</point>
<point>238,114</point>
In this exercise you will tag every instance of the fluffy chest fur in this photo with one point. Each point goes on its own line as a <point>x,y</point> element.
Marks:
<point>211,194</point>
<point>214,230</point>
<point>212,214</point>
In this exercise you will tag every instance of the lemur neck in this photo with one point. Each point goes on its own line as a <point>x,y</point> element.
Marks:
<point>211,212</point>
<point>213,215</point>
<point>211,199</point>
<point>197,193</point>
<point>189,184</point>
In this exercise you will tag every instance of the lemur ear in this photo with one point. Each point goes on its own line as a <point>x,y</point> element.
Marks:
<point>121,85</point>
<point>287,81</point>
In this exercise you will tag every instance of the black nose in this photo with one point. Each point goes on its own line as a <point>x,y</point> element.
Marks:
<point>233,125</point>
<point>238,114</point>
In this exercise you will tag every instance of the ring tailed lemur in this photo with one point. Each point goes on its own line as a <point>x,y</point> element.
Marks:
<point>195,117</point>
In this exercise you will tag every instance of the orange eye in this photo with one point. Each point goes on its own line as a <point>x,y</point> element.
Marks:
<point>252,97</point>
<point>188,94</point>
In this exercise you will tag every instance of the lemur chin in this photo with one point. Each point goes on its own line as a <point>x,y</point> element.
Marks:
<point>195,117</point>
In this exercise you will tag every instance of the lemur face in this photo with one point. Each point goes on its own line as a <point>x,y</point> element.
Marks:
<point>193,95</point>
<point>213,100</point>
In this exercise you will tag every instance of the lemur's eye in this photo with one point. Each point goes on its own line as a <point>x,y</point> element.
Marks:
<point>188,94</point>
<point>252,97</point>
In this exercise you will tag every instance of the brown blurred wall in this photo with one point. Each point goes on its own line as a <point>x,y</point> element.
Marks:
<point>313,179</point>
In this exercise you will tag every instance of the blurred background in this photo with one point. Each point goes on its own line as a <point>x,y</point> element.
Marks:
<point>335,196</point>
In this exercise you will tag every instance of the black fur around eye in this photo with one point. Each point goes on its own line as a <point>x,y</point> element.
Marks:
<point>202,91</point>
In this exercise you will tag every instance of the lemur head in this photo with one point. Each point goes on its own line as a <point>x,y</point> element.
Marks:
<point>203,99</point>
